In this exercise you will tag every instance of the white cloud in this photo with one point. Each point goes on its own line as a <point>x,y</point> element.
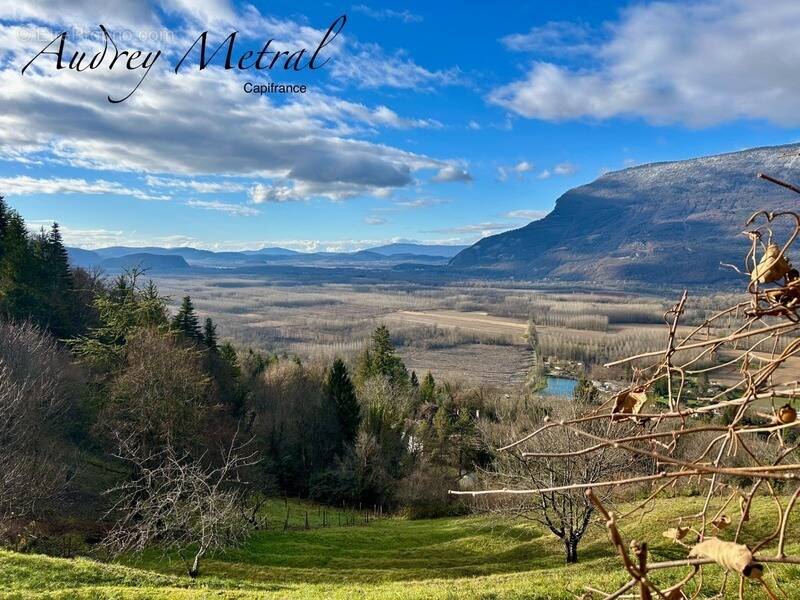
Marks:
<point>232,209</point>
<point>260,193</point>
<point>227,133</point>
<point>128,13</point>
<point>451,173</point>
<point>418,203</point>
<point>382,14</point>
<point>27,186</point>
<point>102,238</point>
<point>373,220</point>
<point>292,191</point>
<point>526,215</point>
<point>474,125</point>
<point>200,187</point>
<point>369,66</point>
<point>695,63</point>
<point>545,174</point>
<point>564,169</point>
<point>556,37</point>
<point>481,229</point>
<point>519,169</point>
<point>312,143</point>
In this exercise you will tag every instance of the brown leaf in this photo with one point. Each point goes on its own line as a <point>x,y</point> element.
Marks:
<point>771,268</point>
<point>676,533</point>
<point>729,555</point>
<point>721,522</point>
<point>629,402</point>
<point>787,414</point>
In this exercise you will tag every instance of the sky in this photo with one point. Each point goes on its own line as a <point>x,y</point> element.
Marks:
<point>430,122</point>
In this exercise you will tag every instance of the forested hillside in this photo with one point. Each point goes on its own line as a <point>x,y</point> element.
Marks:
<point>130,427</point>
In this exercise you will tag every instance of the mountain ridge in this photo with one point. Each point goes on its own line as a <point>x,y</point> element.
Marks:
<point>665,222</point>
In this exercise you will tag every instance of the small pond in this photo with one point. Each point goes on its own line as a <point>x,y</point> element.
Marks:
<point>559,386</point>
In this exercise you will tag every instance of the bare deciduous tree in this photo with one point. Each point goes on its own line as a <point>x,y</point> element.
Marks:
<point>551,464</point>
<point>179,502</point>
<point>34,390</point>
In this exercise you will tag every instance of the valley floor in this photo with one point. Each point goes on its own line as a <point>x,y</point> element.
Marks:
<point>471,557</point>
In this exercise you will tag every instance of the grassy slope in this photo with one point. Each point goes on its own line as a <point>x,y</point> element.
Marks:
<point>391,558</point>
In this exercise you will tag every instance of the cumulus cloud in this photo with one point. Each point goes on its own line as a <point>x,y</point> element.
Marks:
<point>694,63</point>
<point>451,173</point>
<point>565,168</point>
<point>312,145</point>
<point>227,207</point>
<point>519,169</point>
<point>27,186</point>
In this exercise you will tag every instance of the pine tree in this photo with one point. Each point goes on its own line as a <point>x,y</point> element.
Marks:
<point>57,287</point>
<point>427,391</point>
<point>210,336</point>
<point>18,273</point>
<point>381,358</point>
<point>186,321</point>
<point>414,380</point>
<point>341,395</point>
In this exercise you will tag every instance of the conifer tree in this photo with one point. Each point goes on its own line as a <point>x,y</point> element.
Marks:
<point>186,321</point>
<point>414,380</point>
<point>18,269</point>
<point>341,395</point>
<point>210,336</point>
<point>56,287</point>
<point>381,358</point>
<point>427,391</point>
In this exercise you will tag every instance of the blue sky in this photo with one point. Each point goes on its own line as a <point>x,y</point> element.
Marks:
<point>433,122</point>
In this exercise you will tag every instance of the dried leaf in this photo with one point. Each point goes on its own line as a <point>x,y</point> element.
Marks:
<point>787,414</point>
<point>771,267</point>
<point>729,555</point>
<point>721,522</point>
<point>676,533</point>
<point>629,402</point>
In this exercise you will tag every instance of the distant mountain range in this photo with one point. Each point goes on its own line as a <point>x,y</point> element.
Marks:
<point>170,259</point>
<point>665,223</point>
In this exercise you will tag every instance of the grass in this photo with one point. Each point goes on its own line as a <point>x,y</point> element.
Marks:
<point>469,557</point>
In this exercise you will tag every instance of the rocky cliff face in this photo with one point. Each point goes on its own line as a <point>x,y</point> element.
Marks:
<point>664,222</point>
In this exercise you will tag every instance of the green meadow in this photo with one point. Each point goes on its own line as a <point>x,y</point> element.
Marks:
<point>467,557</point>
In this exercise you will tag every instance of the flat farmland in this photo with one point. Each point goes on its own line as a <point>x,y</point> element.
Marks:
<point>470,332</point>
<point>471,321</point>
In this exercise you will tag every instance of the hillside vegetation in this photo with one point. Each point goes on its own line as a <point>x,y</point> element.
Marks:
<point>467,557</point>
